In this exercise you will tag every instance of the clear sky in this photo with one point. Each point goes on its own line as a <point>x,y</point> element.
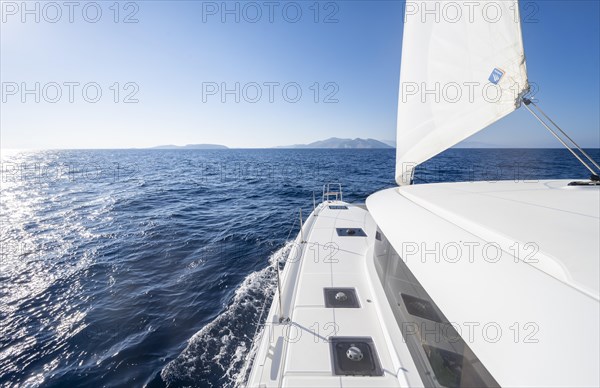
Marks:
<point>344,57</point>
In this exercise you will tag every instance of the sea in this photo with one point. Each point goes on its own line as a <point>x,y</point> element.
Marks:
<point>127,268</point>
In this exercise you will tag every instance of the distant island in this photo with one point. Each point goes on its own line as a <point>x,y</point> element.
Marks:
<point>478,144</point>
<point>335,142</point>
<point>331,143</point>
<point>190,147</point>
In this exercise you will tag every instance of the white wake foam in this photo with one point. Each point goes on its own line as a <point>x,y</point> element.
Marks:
<point>223,349</point>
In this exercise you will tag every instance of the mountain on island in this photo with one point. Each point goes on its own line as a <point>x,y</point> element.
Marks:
<point>335,142</point>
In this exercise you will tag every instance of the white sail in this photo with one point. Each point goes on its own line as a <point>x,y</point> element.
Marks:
<point>462,69</point>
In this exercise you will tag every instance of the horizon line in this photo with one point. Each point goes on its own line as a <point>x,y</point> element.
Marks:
<point>156,148</point>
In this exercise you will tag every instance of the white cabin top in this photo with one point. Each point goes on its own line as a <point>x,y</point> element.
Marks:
<point>512,255</point>
<point>556,226</point>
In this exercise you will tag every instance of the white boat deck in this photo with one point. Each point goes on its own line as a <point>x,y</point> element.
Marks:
<point>299,352</point>
<point>543,308</point>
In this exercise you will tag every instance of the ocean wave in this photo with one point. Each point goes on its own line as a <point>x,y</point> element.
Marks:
<point>218,354</point>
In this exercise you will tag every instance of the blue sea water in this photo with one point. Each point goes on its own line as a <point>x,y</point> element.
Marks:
<point>151,267</point>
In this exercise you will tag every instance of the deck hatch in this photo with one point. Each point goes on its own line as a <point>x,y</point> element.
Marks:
<point>420,308</point>
<point>340,298</point>
<point>354,356</point>
<point>350,232</point>
<point>338,207</point>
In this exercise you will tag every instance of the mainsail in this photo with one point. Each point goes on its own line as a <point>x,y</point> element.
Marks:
<point>462,69</point>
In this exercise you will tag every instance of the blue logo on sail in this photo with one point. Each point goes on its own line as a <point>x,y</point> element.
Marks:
<point>496,76</point>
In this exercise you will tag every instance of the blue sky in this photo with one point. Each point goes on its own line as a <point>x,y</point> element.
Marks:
<point>177,52</point>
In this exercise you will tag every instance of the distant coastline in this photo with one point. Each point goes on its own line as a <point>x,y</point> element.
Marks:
<point>337,143</point>
<point>331,143</point>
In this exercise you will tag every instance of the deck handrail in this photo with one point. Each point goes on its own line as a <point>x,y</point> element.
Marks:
<point>328,192</point>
